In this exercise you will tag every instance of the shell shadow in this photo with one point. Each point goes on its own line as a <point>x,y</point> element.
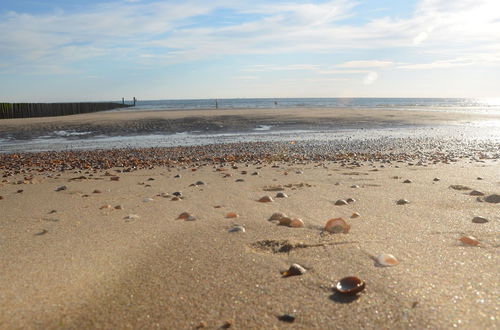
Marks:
<point>343,298</point>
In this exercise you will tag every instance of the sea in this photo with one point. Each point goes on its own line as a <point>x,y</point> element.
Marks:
<point>61,139</point>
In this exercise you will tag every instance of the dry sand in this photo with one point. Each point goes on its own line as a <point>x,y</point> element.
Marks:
<point>85,267</point>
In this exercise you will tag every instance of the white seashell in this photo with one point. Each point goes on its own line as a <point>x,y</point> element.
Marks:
<point>131,217</point>
<point>387,260</point>
<point>147,200</point>
<point>237,229</point>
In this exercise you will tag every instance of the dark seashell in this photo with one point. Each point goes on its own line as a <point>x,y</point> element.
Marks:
<point>350,285</point>
<point>407,181</point>
<point>177,193</point>
<point>476,193</point>
<point>281,195</point>
<point>294,270</point>
<point>402,201</point>
<point>286,318</point>
<point>341,202</point>
<point>493,199</point>
<point>479,220</point>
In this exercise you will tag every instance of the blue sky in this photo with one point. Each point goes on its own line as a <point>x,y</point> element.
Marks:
<point>65,50</point>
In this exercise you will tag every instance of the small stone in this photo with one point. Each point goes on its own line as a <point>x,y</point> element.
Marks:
<point>151,179</point>
<point>97,191</point>
<point>294,270</point>
<point>480,220</point>
<point>177,176</point>
<point>277,216</point>
<point>115,178</point>
<point>266,199</point>
<point>118,207</point>
<point>341,202</point>
<point>255,173</point>
<point>239,180</point>
<point>476,193</point>
<point>436,179</point>
<point>281,195</point>
<point>402,201</point>
<point>479,178</point>
<point>492,199</point>
<point>177,193</point>
<point>407,181</point>
<point>237,229</point>
<point>200,183</point>
<point>355,215</point>
<point>147,200</point>
<point>19,191</point>
<point>288,318</point>
<point>61,188</point>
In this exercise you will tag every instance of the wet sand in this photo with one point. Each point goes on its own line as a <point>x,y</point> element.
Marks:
<point>67,263</point>
<point>119,123</point>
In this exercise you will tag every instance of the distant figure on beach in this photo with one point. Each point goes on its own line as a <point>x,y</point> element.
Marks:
<point>216,104</point>
<point>275,103</point>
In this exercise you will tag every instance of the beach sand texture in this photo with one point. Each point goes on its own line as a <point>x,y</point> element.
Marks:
<point>68,263</point>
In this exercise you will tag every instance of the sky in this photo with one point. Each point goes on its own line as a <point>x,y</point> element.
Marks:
<point>68,50</point>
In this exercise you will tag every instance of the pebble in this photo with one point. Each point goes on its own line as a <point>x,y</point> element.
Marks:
<point>115,178</point>
<point>281,195</point>
<point>341,202</point>
<point>294,270</point>
<point>436,179</point>
<point>147,200</point>
<point>239,180</point>
<point>118,207</point>
<point>476,193</point>
<point>277,216</point>
<point>492,198</point>
<point>200,183</point>
<point>289,318</point>
<point>237,229</point>
<point>266,199</point>
<point>61,188</point>
<point>97,191</point>
<point>407,181</point>
<point>480,220</point>
<point>177,176</point>
<point>402,201</point>
<point>255,173</point>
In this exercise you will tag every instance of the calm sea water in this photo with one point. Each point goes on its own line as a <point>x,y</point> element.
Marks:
<point>431,104</point>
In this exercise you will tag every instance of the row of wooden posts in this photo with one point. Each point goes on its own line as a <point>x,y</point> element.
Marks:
<point>28,110</point>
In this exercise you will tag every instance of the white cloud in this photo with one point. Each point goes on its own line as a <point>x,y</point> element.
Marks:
<point>366,64</point>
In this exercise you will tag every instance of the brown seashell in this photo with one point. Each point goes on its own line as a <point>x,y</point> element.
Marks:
<point>355,215</point>
<point>232,215</point>
<point>350,285</point>
<point>337,225</point>
<point>285,221</point>
<point>469,240</point>
<point>277,216</point>
<point>184,216</point>
<point>115,178</point>
<point>296,223</point>
<point>266,199</point>
<point>97,191</point>
<point>175,198</point>
<point>105,207</point>
<point>118,207</point>
<point>294,270</point>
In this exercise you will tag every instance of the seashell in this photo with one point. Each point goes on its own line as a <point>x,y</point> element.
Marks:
<point>350,285</point>
<point>355,215</point>
<point>115,178</point>
<point>177,176</point>
<point>199,183</point>
<point>239,180</point>
<point>285,221</point>
<point>118,207</point>
<point>294,270</point>
<point>402,201</point>
<point>164,195</point>
<point>288,318</point>
<point>407,181</point>
<point>232,215</point>
<point>350,200</point>
<point>147,200</point>
<point>281,195</point>
<point>266,199</point>
<point>105,207</point>
<point>387,260</point>
<point>255,173</point>
<point>296,223</point>
<point>476,193</point>
<point>237,229</point>
<point>177,193</point>
<point>277,216</point>
<point>436,179</point>
<point>131,217</point>
<point>337,225</point>
<point>459,187</point>
<point>469,240</point>
<point>354,186</point>
<point>341,202</point>
<point>97,191</point>
<point>61,188</point>
<point>175,198</point>
<point>479,220</point>
<point>184,216</point>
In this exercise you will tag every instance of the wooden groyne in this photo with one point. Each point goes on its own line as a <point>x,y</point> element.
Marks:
<point>28,110</point>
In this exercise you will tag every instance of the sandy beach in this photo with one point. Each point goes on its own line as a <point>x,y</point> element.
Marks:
<point>92,239</point>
